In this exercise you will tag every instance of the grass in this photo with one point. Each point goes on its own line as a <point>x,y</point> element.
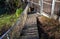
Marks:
<point>7,21</point>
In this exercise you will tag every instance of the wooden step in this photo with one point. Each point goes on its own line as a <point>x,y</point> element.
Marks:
<point>29,37</point>
<point>30,30</point>
<point>31,33</point>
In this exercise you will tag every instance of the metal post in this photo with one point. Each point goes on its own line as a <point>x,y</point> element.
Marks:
<point>7,36</point>
<point>0,38</point>
<point>53,6</point>
<point>28,2</point>
<point>41,7</point>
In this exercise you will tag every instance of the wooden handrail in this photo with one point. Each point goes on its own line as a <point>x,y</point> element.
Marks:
<point>35,3</point>
<point>22,18</point>
<point>58,1</point>
<point>47,3</point>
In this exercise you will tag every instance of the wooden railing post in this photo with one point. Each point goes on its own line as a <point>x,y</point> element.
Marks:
<point>52,9</point>
<point>41,7</point>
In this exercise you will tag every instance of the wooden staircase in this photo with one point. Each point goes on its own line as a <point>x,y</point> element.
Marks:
<point>30,31</point>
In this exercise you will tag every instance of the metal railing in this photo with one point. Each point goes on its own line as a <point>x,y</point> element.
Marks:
<point>15,30</point>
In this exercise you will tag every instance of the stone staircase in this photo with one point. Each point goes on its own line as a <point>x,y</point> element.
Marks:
<point>30,30</point>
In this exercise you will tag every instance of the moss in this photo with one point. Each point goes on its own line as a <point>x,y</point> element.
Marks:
<point>7,21</point>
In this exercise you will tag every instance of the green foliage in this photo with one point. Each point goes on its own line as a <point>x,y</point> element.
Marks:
<point>9,6</point>
<point>18,12</point>
<point>16,2</point>
<point>9,20</point>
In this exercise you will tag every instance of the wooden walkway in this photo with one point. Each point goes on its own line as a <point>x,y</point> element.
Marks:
<point>30,31</point>
<point>34,30</point>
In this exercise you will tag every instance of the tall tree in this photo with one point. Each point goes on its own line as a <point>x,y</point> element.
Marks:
<point>9,6</point>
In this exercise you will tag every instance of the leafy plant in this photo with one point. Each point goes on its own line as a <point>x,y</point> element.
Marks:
<point>18,12</point>
<point>7,21</point>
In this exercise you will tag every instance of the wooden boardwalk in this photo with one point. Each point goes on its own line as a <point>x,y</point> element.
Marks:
<point>30,31</point>
<point>34,30</point>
